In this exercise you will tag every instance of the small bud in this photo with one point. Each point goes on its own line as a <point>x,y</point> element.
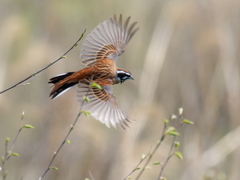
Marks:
<point>166,121</point>
<point>148,167</point>
<point>28,126</point>
<point>143,156</point>
<point>14,154</point>
<point>69,141</point>
<point>187,121</point>
<point>171,128</point>
<point>129,177</point>
<point>173,117</point>
<point>86,99</point>
<point>171,131</point>
<point>76,44</point>
<point>180,111</point>
<point>95,85</point>
<point>157,163</point>
<point>177,144</point>
<point>138,168</point>
<point>63,57</point>
<point>179,155</point>
<point>53,168</point>
<point>86,113</point>
<point>26,84</point>
<point>7,139</point>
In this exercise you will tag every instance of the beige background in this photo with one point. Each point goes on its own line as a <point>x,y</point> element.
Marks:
<point>186,54</point>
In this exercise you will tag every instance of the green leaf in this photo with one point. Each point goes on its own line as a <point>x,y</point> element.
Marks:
<point>157,163</point>
<point>7,139</point>
<point>174,133</point>
<point>129,177</point>
<point>177,144</point>
<point>187,121</point>
<point>28,126</point>
<point>86,113</point>
<point>14,154</point>
<point>63,57</point>
<point>95,85</point>
<point>179,155</point>
<point>171,131</point>
<point>69,141</point>
<point>166,121</point>
<point>138,168</point>
<point>86,99</point>
<point>171,128</point>
<point>53,168</point>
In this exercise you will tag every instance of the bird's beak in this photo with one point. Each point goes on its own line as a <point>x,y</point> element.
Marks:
<point>131,78</point>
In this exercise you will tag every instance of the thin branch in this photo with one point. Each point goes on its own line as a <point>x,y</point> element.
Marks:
<point>91,176</point>
<point>168,158</point>
<point>155,149</point>
<point>8,153</point>
<point>34,75</point>
<point>65,139</point>
<point>178,123</point>
<point>4,174</point>
<point>142,159</point>
<point>15,139</point>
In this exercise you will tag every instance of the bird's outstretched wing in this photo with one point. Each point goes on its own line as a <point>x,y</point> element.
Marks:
<point>102,104</point>
<point>107,40</point>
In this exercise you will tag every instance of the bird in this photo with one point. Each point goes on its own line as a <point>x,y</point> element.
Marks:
<point>99,54</point>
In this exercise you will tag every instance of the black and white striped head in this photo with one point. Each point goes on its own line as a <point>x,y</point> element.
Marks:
<point>123,75</point>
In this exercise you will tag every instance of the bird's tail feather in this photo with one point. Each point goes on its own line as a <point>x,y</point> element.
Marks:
<point>61,83</point>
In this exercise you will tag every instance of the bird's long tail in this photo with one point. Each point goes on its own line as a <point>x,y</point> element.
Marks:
<point>62,83</point>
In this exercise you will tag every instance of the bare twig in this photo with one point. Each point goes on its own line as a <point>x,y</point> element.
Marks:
<point>65,139</point>
<point>91,176</point>
<point>168,158</point>
<point>163,135</point>
<point>142,159</point>
<point>4,174</point>
<point>34,75</point>
<point>8,153</point>
<point>178,123</point>
<point>155,149</point>
<point>20,129</point>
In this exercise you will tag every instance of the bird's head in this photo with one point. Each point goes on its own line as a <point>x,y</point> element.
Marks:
<point>123,75</point>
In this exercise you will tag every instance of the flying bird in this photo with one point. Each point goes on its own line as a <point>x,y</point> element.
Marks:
<point>99,54</point>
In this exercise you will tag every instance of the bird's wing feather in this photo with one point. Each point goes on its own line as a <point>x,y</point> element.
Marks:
<point>107,40</point>
<point>102,104</point>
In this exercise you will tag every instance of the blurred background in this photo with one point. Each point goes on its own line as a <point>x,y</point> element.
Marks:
<point>186,54</point>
